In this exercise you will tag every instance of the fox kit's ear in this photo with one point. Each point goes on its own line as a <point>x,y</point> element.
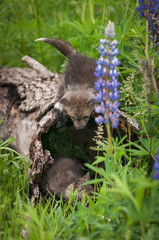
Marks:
<point>92,102</point>
<point>64,101</point>
<point>86,177</point>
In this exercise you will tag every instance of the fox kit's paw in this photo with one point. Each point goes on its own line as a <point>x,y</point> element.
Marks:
<point>60,115</point>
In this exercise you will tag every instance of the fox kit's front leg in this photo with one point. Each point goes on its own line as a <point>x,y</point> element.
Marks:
<point>61,115</point>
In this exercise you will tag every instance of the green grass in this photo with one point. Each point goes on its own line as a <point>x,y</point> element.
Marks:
<point>126,204</point>
<point>125,207</point>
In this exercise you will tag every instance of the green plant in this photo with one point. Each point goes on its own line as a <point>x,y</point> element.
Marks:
<point>125,204</point>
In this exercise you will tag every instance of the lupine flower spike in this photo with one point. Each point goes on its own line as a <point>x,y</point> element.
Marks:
<point>150,10</point>
<point>106,86</point>
<point>156,167</point>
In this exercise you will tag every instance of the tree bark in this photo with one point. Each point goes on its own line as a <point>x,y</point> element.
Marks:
<point>27,98</point>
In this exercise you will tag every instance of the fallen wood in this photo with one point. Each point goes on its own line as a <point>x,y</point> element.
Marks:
<point>27,98</point>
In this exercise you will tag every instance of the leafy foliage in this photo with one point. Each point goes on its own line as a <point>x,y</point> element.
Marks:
<point>125,204</point>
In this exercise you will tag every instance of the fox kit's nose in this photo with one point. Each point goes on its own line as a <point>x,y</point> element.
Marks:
<point>79,126</point>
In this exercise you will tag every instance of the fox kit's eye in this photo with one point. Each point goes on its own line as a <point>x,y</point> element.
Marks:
<point>85,117</point>
<point>73,118</point>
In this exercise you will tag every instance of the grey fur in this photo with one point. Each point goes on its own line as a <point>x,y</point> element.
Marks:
<point>64,174</point>
<point>64,47</point>
<point>77,86</point>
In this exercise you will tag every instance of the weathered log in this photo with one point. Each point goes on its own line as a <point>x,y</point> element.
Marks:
<point>27,98</point>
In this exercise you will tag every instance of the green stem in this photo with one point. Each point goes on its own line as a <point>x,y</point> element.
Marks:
<point>103,15</point>
<point>153,82</point>
<point>19,15</point>
<point>150,134</point>
<point>142,231</point>
<point>107,111</point>
<point>91,8</point>
<point>38,27</point>
<point>96,175</point>
<point>147,37</point>
<point>153,85</point>
<point>109,135</point>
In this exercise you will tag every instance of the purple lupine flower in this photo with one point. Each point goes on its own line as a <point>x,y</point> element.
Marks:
<point>153,18</point>
<point>156,167</point>
<point>106,85</point>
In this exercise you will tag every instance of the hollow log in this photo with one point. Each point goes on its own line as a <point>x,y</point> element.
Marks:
<point>27,98</point>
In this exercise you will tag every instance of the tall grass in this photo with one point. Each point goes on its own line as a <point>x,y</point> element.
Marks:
<point>126,204</point>
<point>120,212</point>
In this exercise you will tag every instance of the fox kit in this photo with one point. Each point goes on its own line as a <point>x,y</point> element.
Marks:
<point>64,174</point>
<point>76,94</point>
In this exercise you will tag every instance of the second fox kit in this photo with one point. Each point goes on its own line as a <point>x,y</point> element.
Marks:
<point>64,174</point>
<point>76,93</point>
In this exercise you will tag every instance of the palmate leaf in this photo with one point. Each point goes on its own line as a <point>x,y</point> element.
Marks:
<point>115,141</point>
<point>125,25</point>
<point>4,155</point>
<point>145,149</point>
<point>7,142</point>
<point>154,125</point>
<point>99,170</point>
<point>86,29</point>
<point>123,189</point>
<point>9,150</point>
<point>154,109</point>
<point>99,160</point>
<point>138,152</point>
<point>133,109</point>
<point>124,70</point>
<point>146,143</point>
<point>135,152</point>
<point>94,181</point>
<point>131,61</point>
<point>76,25</point>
